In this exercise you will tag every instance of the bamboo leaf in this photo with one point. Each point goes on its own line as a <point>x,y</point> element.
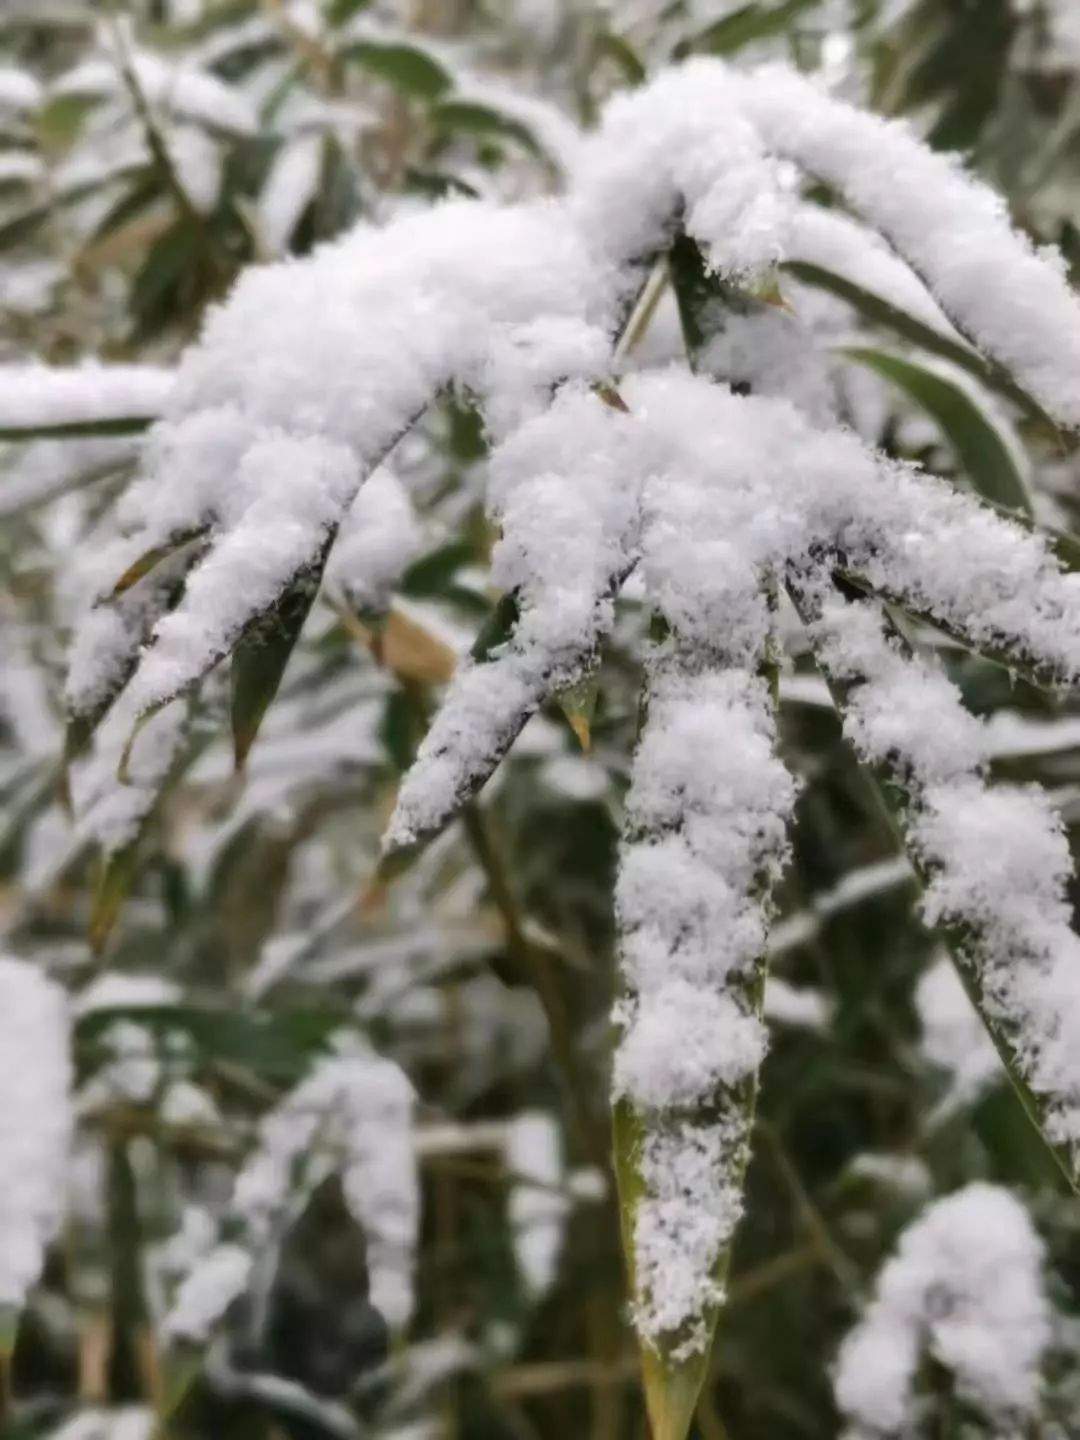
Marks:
<point>616,48</point>
<point>744,26</point>
<point>408,68</point>
<point>979,446</point>
<point>260,658</point>
<point>892,789</point>
<point>578,704</point>
<point>470,117</point>
<point>116,877</point>
<point>882,312</point>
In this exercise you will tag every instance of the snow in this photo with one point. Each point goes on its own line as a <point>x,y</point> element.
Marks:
<point>118,990</point>
<point>354,1113</point>
<point>569,468</point>
<point>799,1006</point>
<point>274,433</point>
<point>997,858</point>
<point>953,230</point>
<point>36,396</point>
<point>291,182</point>
<point>380,537</point>
<point>35,1123</point>
<point>537,1207</point>
<point>207,1292</point>
<point>184,91</point>
<point>122,1422</point>
<point>965,1286</point>
<point>953,1036</point>
<point>19,90</point>
<point>832,240</point>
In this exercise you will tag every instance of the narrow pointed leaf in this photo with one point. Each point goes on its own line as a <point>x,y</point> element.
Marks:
<point>882,312</point>
<point>406,67</point>
<point>260,658</point>
<point>118,871</point>
<point>980,448</point>
<point>578,704</point>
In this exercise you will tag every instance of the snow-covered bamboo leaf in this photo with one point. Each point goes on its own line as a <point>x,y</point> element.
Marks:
<point>965,1288</point>
<point>984,453</point>
<point>41,402</point>
<point>35,1080</point>
<point>556,608</point>
<point>272,498</point>
<point>279,1046</point>
<point>993,859</point>
<point>1012,304</point>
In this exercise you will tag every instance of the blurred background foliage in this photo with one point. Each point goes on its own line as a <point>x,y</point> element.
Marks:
<point>148,153</point>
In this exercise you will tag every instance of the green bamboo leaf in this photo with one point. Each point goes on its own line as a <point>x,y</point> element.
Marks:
<point>614,47</point>
<point>260,658</point>
<point>980,448</point>
<point>745,26</point>
<point>278,1045</point>
<point>882,312</point>
<point>433,573</point>
<point>471,117</point>
<point>671,1388</point>
<point>116,877</point>
<point>408,68</point>
<point>498,629</point>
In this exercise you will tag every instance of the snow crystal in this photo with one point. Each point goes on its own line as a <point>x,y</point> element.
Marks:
<point>35,1126</point>
<point>965,1286</point>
